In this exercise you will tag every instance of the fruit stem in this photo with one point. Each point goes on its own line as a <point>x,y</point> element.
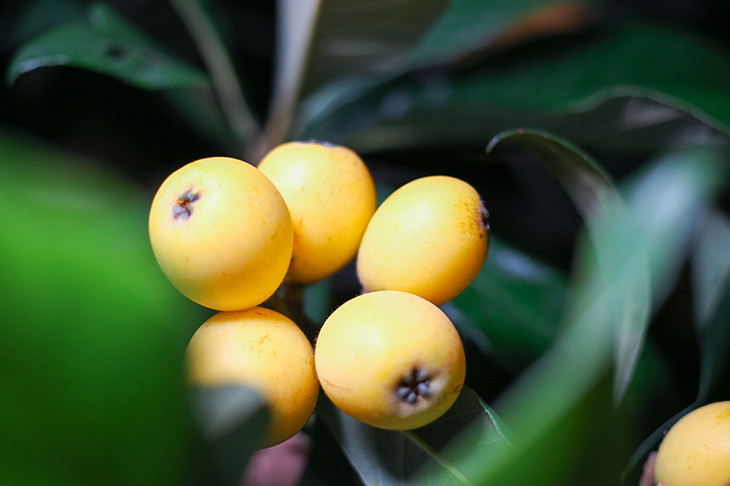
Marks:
<point>290,300</point>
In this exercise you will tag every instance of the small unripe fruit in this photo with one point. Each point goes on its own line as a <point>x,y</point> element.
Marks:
<point>221,233</point>
<point>696,450</point>
<point>331,197</point>
<point>428,238</point>
<point>390,359</point>
<point>262,349</point>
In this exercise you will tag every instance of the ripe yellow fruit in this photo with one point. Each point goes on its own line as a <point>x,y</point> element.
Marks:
<point>221,233</point>
<point>331,197</point>
<point>262,349</point>
<point>428,238</point>
<point>696,450</point>
<point>390,359</point>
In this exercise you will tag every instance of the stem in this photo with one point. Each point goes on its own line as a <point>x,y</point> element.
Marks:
<point>289,300</point>
<point>220,66</point>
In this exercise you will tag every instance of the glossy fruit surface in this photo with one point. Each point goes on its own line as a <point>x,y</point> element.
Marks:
<point>390,359</point>
<point>696,450</point>
<point>428,238</point>
<point>221,233</point>
<point>331,197</point>
<point>262,349</point>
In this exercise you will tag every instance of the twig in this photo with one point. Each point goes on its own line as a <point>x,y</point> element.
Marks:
<point>289,300</point>
<point>220,66</point>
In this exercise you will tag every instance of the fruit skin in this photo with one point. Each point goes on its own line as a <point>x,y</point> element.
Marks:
<point>228,247</point>
<point>331,197</point>
<point>262,349</point>
<point>428,238</point>
<point>696,450</point>
<point>374,349</point>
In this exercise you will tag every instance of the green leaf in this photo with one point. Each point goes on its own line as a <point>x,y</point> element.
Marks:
<point>93,335</point>
<point>651,231</point>
<point>715,344</point>
<point>711,292</point>
<point>470,26</point>
<point>37,16</point>
<point>585,181</point>
<point>107,44</point>
<point>597,90</point>
<point>515,302</point>
<point>593,194</point>
<point>710,265</point>
<point>324,40</point>
<point>233,420</point>
<point>367,36</point>
<point>383,457</point>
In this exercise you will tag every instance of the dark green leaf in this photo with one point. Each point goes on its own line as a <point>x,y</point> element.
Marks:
<point>584,180</point>
<point>598,91</point>
<point>470,26</point>
<point>715,343</point>
<point>470,425</point>
<point>321,41</point>
<point>40,15</point>
<point>593,193</point>
<point>233,420</point>
<point>107,44</point>
<point>515,302</point>
<point>384,457</point>
<point>367,36</point>
<point>710,265</point>
<point>711,285</point>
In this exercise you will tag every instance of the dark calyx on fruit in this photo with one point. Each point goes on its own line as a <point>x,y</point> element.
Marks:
<point>412,387</point>
<point>485,217</point>
<point>183,207</point>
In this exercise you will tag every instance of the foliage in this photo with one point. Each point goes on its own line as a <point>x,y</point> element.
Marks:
<point>597,136</point>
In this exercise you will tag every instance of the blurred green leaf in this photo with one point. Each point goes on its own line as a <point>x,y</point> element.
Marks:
<point>515,302</point>
<point>583,179</point>
<point>323,40</point>
<point>593,193</point>
<point>715,343</point>
<point>92,387</point>
<point>710,264</point>
<point>367,37</point>
<point>470,26</point>
<point>598,90</point>
<point>469,425</point>
<point>40,15</point>
<point>383,457</point>
<point>711,292</point>
<point>233,420</point>
<point>108,44</point>
<point>653,232</point>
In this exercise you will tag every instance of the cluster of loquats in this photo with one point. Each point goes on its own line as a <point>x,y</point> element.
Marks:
<point>228,234</point>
